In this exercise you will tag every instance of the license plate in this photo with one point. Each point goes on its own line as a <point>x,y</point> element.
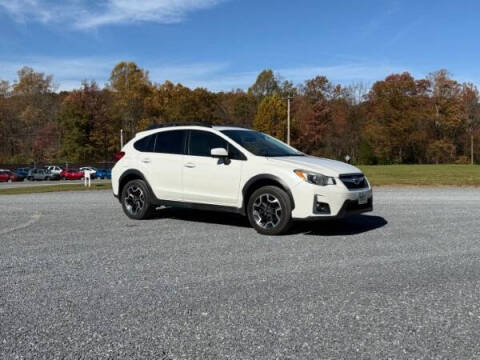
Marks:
<point>362,198</point>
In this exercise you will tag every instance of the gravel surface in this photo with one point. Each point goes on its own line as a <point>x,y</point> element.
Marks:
<point>79,280</point>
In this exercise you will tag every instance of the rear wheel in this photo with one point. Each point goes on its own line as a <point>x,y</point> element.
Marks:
<point>136,202</point>
<point>269,210</point>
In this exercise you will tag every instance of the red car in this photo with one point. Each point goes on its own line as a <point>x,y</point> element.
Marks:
<point>9,176</point>
<point>71,174</point>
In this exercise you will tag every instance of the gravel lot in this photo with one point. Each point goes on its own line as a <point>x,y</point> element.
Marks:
<point>80,280</point>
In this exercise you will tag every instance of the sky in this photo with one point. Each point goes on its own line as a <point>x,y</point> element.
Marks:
<point>224,44</point>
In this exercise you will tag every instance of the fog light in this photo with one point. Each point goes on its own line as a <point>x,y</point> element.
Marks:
<point>320,207</point>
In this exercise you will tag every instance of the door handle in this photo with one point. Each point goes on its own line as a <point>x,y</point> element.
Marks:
<point>146,161</point>
<point>190,165</point>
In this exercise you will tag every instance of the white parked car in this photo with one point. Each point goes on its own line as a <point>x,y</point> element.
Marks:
<point>90,169</point>
<point>236,170</point>
<point>54,169</point>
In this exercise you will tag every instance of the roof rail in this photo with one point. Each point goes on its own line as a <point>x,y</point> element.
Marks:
<point>242,126</point>
<point>158,126</point>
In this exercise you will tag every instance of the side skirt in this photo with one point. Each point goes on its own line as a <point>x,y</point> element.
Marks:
<point>197,206</point>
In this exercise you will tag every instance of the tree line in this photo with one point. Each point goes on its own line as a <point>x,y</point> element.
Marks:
<point>399,119</point>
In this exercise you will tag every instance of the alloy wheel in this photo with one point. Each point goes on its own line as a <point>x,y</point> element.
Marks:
<point>267,211</point>
<point>135,199</point>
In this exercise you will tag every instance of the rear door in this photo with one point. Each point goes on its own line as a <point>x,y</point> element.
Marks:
<point>161,160</point>
<point>207,179</point>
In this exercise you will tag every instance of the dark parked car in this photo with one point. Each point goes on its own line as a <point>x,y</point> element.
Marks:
<point>22,171</point>
<point>9,176</point>
<point>104,174</point>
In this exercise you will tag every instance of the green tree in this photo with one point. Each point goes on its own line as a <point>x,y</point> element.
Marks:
<point>271,117</point>
<point>267,84</point>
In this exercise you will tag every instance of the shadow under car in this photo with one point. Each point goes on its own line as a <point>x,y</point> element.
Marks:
<point>354,224</point>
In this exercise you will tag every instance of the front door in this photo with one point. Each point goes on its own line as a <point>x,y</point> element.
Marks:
<point>207,179</point>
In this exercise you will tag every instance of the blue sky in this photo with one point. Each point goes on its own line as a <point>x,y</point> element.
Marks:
<point>223,44</point>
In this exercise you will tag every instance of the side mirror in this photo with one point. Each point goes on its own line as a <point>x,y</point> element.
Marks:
<point>219,153</point>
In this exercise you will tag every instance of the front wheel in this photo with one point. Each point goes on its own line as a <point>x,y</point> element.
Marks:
<point>136,202</point>
<point>269,210</point>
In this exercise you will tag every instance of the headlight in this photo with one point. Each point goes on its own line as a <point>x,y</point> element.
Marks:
<point>314,178</point>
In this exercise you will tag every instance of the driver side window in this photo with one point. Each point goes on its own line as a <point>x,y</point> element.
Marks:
<point>202,142</point>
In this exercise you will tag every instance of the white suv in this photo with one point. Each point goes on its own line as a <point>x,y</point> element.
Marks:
<point>236,170</point>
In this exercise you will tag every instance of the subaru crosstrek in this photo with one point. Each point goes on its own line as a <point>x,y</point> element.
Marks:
<point>236,170</point>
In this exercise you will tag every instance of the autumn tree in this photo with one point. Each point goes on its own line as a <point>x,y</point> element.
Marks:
<point>130,87</point>
<point>470,102</point>
<point>31,107</point>
<point>84,116</point>
<point>397,126</point>
<point>176,103</point>
<point>236,107</point>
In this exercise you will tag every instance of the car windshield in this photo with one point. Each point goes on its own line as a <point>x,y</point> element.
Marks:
<point>261,144</point>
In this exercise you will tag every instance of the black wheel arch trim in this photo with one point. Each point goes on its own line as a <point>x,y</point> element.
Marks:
<point>139,175</point>
<point>260,177</point>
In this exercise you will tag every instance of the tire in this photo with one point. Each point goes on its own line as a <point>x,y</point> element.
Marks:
<point>134,193</point>
<point>275,217</point>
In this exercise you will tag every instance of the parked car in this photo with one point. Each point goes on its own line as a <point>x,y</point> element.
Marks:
<point>103,174</point>
<point>9,176</point>
<point>235,170</point>
<point>52,175</point>
<point>91,170</point>
<point>22,171</point>
<point>72,174</point>
<point>54,169</point>
<point>37,174</point>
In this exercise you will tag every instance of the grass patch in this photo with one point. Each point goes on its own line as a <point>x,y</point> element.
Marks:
<point>52,188</point>
<point>453,175</point>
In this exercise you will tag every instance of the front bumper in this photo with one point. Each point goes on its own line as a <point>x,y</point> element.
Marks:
<point>336,201</point>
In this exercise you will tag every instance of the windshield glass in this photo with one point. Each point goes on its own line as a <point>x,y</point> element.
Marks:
<point>261,144</point>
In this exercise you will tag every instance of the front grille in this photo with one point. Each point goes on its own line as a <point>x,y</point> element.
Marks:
<point>354,181</point>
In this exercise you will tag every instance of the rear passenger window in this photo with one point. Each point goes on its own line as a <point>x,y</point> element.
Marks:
<point>145,144</point>
<point>171,142</point>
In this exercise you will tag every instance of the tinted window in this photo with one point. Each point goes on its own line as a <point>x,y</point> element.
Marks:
<point>171,142</point>
<point>145,144</point>
<point>261,144</point>
<point>202,142</point>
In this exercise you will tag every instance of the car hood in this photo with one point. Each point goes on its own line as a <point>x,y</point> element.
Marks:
<point>325,166</point>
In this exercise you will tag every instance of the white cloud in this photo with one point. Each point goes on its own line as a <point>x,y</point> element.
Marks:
<point>69,72</point>
<point>85,14</point>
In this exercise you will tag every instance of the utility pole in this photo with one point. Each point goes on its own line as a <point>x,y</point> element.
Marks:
<point>471,148</point>
<point>288,120</point>
<point>121,139</point>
